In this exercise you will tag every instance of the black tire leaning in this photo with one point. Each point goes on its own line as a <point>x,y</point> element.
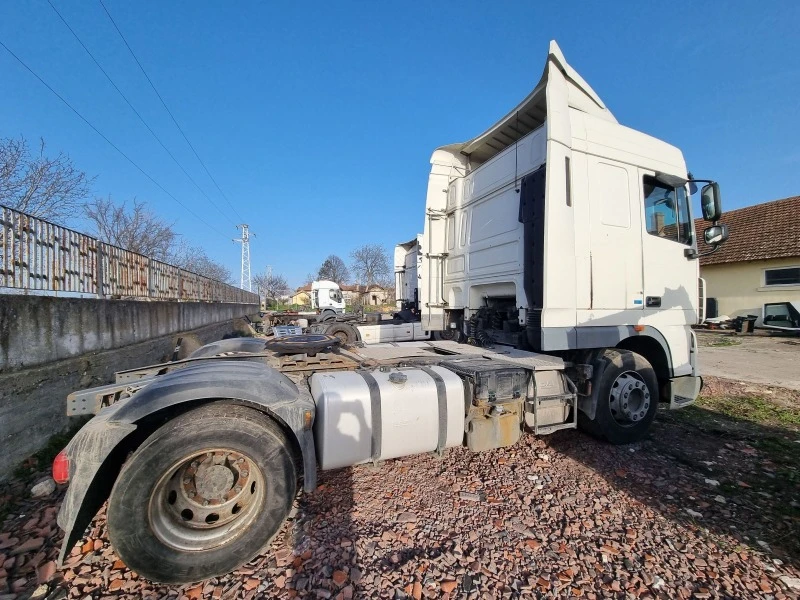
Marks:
<point>218,425</point>
<point>449,335</point>
<point>346,333</point>
<point>610,365</point>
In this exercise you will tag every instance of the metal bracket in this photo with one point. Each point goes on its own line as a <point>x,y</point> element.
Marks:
<point>572,398</point>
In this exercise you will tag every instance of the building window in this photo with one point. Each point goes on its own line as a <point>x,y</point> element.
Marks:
<point>785,276</point>
<point>666,210</point>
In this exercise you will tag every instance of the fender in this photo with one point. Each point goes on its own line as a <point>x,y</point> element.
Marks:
<point>97,452</point>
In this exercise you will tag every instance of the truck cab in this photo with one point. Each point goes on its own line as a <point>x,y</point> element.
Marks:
<point>326,297</point>
<point>560,230</point>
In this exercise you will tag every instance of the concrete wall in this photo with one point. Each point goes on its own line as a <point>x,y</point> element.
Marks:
<point>51,347</point>
<point>739,287</point>
<point>36,330</point>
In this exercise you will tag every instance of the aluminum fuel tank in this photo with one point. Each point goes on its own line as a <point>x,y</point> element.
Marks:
<point>381,414</point>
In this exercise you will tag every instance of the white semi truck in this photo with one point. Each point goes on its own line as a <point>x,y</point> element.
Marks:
<point>559,243</point>
<point>327,304</point>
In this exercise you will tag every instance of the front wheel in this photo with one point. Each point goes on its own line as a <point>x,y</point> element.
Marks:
<point>625,389</point>
<point>202,495</point>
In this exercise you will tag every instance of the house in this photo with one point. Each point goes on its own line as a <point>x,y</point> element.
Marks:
<point>760,262</point>
<point>301,296</point>
<point>372,295</point>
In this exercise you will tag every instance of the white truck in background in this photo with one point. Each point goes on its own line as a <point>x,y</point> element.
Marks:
<point>326,298</point>
<point>328,317</point>
<point>558,237</point>
<point>327,304</point>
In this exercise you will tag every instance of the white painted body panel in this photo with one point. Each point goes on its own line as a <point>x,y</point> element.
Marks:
<point>343,426</point>
<point>404,332</point>
<point>483,235</point>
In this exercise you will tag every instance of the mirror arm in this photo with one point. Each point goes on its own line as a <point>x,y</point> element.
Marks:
<point>692,253</point>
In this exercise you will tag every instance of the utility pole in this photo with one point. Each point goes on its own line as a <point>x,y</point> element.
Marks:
<point>245,241</point>
<point>269,279</point>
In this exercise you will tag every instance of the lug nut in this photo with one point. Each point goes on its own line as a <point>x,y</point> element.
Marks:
<point>237,489</point>
<point>192,494</point>
<point>205,502</point>
<point>187,480</point>
<point>245,473</point>
<point>195,464</point>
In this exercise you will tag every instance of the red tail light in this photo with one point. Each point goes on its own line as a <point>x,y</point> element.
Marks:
<point>61,467</point>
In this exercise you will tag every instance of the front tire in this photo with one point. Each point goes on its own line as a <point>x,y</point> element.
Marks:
<point>625,390</point>
<point>202,495</point>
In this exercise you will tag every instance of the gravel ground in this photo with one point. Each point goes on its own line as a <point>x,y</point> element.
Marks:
<point>695,511</point>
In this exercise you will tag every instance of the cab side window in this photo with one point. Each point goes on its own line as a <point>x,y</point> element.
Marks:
<point>666,211</point>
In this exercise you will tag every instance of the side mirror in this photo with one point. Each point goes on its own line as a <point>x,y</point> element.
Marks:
<point>711,202</point>
<point>715,235</point>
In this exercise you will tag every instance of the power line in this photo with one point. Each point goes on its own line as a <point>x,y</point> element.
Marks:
<point>164,104</point>
<point>110,143</point>
<point>136,112</point>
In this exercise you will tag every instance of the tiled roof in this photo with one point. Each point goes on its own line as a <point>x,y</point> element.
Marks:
<point>760,232</point>
<point>361,288</point>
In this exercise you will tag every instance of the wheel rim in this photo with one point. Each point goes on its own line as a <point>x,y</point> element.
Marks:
<point>629,398</point>
<point>342,335</point>
<point>206,499</point>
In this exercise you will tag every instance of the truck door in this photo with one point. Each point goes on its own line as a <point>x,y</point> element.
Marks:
<point>615,237</point>
<point>670,277</point>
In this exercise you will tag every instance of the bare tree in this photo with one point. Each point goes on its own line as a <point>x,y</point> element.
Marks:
<point>195,259</point>
<point>370,264</point>
<point>387,283</point>
<point>270,285</point>
<point>309,278</point>
<point>44,187</point>
<point>135,229</point>
<point>334,269</point>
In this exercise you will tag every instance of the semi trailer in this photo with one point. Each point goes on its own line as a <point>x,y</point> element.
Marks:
<point>558,269</point>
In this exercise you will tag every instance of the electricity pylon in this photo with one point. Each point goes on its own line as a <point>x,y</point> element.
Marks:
<point>245,241</point>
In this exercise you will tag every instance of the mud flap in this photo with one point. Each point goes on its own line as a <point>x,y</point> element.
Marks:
<point>90,481</point>
<point>683,391</point>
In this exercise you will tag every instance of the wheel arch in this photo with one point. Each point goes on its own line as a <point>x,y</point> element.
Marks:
<point>653,350</point>
<point>100,448</point>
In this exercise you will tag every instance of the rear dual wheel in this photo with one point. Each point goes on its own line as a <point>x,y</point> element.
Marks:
<point>202,495</point>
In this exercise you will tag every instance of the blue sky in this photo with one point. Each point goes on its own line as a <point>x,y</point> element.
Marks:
<point>318,119</point>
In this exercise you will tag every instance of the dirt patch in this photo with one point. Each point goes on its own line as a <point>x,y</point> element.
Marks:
<point>761,359</point>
